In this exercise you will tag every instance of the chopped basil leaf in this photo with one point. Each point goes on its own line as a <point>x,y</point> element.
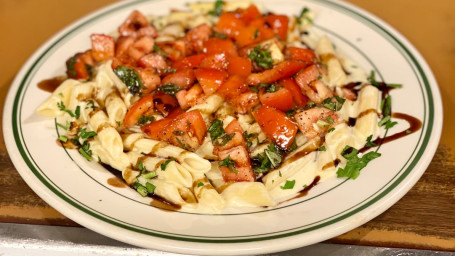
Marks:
<point>170,89</point>
<point>178,132</point>
<point>77,112</point>
<point>322,148</point>
<point>271,88</point>
<point>145,120</point>
<point>290,112</point>
<point>218,8</point>
<point>90,104</point>
<point>395,85</point>
<point>249,138</point>
<point>157,49</point>
<point>200,184</point>
<point>322,124</point>
<point>331,129</point>
<point>253,88</point>
<point>274,155</point>
<point>216,129</point>
<point>70,66</point>
<point>223,140</point>
<point>354,163</point>
<point>271,158</point>
<point>333,103</point>
<point>262,57</point>
<point>130,78</point>
<point>219,35</point>
<point>288,185</point>
<point>408,131</point>
<point>303,15</point>
<point>369,142</point>
<point>229,164</point>
<point>309,105</point>
<point>329,119</point>
<point>141,167</point>
<point>387,106</point>
<point>182,145</point>
<point>150,187</point>
<point>164,165</point>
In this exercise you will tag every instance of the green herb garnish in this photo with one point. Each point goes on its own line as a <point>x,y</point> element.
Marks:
<point>216,129</point>
<point>164,165</point>
<point>62,107</point>
<point>333,103</point>
<point>157,49</point>
<point>262,57</point>
<point>145,120</point>
<point>217,9</point>
<point>288,185</point>
<point>200,184</point>
<point>130,78</point>
<point>229,164</point>
<point>223,140</point>
<point>170,89</point>
<point>369,142</point>
<point>178,133</point>
<point>354,163</point>
<point>150,187</point>
<point>140,188</point>
<point>85,151</point>
<point>63,138</point>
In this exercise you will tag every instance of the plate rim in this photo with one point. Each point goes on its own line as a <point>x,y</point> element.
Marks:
<point>432,93</point>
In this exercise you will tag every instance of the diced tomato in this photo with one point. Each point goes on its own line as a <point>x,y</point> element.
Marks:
<point>149,78</point>
<point>299,98</point>
<point>233,86</point>
<point>229,24</point>
<point>249,14</point>
<point>190,97</point>
<point>180,130</point>
<point>195,38</point>
<point>164,103</point>
<point>217,61</point>
<point>217,45</point>
<point>281,99</point>
<point>122,45</point>
<point>192,61</point>
<point>175,50</point>
<point>248,35</point>
<point>243,170</point>
<point>183,78</point>
<point>176,112</point>
<point>239,66</point>
<point>141,47</point>
<point>103,47</point>
<point>279,24</point>
<point>244,102</point>
<point>281,70</point>
<point>266,33</point>
<point>233,126</point>
<point>135,21</point>
<point>210,79</point>
<point>153,60</point>
<point>296,53</point>
<point>258,22</point>
<point>141,107</point>
<point>236,140</point>
<point>307,75</point>
<point>77,67</point>
<point>276,125</point>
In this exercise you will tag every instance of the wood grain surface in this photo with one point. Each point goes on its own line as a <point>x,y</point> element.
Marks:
<point>424,218</point>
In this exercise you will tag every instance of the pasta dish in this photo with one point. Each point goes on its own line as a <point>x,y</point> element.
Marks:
<point>221,106</point>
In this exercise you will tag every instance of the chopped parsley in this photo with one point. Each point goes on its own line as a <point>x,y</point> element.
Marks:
<point>130,78</point>
<point>262,57</point>
<point>65,127</point>
<point>217,9</point>
<point>85,151</point>
<point>62,107</point>
<point>77,112</point>
<point>369,142</point>
<point>331,129</point>
<point>228,163</point>
<point>288,185</point>
<point>170,89</point>
<point>354,163</point>
<point>200,184</point>
<point>164,165</point>
<point>84,134</point>
<point>322,148</point>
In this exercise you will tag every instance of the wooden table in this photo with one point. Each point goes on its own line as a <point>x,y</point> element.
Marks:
<point>424,218</point>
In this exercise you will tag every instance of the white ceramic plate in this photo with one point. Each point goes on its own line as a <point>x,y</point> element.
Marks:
<point>79,189</point>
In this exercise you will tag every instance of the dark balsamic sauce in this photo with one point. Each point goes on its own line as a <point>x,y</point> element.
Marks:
<point>50,85</point>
